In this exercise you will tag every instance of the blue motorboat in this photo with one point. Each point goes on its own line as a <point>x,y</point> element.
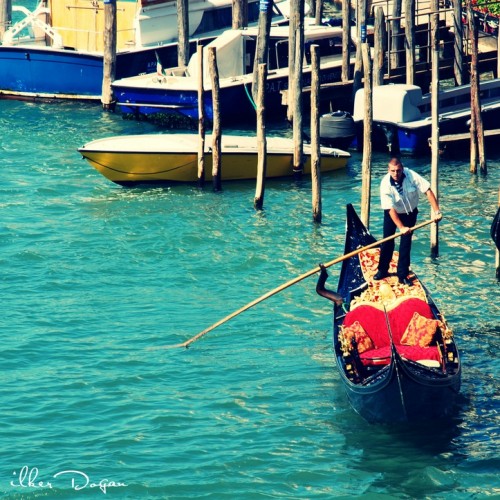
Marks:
<point>175,90</point>
<point>402,119</point>
<point>56,51</point>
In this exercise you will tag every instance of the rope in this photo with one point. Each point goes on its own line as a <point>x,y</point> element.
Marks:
<point>250,97</point>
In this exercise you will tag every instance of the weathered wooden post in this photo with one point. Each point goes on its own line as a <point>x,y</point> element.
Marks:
<point>473,140</point>
<point>473,124</point>
<point>410,41</point>
<point>216,132</point>
<point>293,23</point>
<point>367,132</point>
<point>346,40</point>
<point>201,119</point>
<point>109,56</point>
<point>260,186</point>
<point>318,12</point>
<point>396,38</point>
<point>265,15</point>
<point>240,14</point>
<point>478,136</point>
<point>358,65</point>
<point>5,16</point>
<point>182,33</point>
<point>298,139</point>
<point>315,145</point>
<point>379,41</point>
<point>434,21</point>
<point>458,65</point>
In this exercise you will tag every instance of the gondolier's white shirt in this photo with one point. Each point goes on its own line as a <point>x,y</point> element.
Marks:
<point>413,185</point>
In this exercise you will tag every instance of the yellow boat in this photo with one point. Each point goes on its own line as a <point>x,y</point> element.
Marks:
<point>172,158</point>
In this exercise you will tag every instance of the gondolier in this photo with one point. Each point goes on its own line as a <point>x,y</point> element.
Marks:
<point>400,191</point>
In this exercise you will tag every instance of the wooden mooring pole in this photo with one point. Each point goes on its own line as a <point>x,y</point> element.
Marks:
<point>5,16</point>
<point>182,33</point>
<point>477,129</point>
<point>397,34</point>
<point>298,139</point>
<point>434,21</point>
<point>318,12</point>
<point>458,65</point>
<point>379,42</point>
<point>240,14</point>
<point>261,53</point>
<point>410,41</point>
<point>260,186</point>
<point>216,132</point>
<point>201,119</point>
<point>346,40</point>
<point>109,56</point>
<point>315,145</point>
<point>292,30</point>
<point>366,177</point>
<point>357,77</point>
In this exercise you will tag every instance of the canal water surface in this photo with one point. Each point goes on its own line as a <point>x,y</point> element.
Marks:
<point>96,278</point>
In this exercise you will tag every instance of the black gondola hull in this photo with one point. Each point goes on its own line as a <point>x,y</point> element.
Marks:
<point>407,398</point>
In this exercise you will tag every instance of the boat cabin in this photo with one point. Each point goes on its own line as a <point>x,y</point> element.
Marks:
<point>401,103</point>
<point>236,49</point>
<point>79,24</point>
<point>395,103</point>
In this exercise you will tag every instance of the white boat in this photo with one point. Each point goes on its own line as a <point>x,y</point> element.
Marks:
<point>173,158</point>
<point>56,50</point>
<point>175,90</point>
<point>402,120</point>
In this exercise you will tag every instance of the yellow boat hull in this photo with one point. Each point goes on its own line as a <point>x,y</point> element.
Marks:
<point>177,162</point>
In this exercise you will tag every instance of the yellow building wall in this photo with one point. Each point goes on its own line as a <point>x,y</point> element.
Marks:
<point>81,23</point>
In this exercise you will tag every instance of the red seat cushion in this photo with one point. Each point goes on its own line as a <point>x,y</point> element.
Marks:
<point>373,322</point>
<point>400,316</point>
<point>416,353</point>
<point>382,356</point>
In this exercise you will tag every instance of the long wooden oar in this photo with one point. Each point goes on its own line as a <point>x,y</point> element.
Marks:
<point>188,342</point>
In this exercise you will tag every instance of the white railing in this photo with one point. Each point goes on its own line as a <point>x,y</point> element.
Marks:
<point>32,19</point>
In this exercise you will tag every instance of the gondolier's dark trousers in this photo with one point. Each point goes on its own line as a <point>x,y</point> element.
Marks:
<point>387,248</point>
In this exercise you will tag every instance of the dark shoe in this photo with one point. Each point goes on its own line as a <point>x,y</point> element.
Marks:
<point>380,275</point>
<point>405,281</point>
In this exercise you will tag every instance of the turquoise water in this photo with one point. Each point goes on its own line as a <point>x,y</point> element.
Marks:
<point>96,278</point>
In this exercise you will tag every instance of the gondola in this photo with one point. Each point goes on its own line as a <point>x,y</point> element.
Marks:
<point>396,354</point>
<point>495,229</point>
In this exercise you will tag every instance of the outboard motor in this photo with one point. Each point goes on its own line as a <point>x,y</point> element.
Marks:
<point>337,129</point>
